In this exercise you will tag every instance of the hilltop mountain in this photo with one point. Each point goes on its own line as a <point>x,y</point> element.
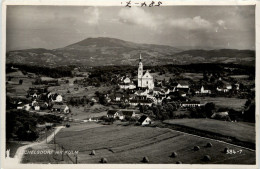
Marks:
<point>244,57</point>
<point>110,51</point>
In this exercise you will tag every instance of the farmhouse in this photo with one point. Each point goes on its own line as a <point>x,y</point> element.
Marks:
<point>58,98</point>
<point>136,102</point>
<point>224,88</point>
<point>114,114</point>
<point>128,113</point>
<point>60,108</point>
<point>182,85</point>
<point>23,106</point>
<point>203,90</point>
<point>187,104</point>
<point>95,99</point>
<point>36,106</point>
<point>144,120</point>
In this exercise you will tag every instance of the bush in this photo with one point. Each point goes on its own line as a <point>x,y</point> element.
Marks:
<point>145,160</point>
<point>226,150</point>
<point>206,158</point>
<point>103,160</point>
<point>93,152</point>
<point>196,148</point>
<point>174,154</point>
<point>209,145</point>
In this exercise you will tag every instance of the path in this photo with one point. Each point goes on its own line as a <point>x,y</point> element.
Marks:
<point>21,150</point>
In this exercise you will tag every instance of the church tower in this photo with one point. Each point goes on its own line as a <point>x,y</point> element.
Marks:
<point>140,71</point>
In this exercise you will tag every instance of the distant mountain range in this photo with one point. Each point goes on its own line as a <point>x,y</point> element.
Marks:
<point>110,51</point>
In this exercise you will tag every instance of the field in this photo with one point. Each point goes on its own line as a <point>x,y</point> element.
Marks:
<point>241,131</point>
<point>13,88</point>
<point>232,103</point>
<point>88,111</point>
<point>129,144</point>
<point>193,76</point>
<point>165,76</point>
<point>239,76</point>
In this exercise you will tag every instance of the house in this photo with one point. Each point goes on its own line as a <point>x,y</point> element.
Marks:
<point>58,98</point>
<point>114,114</point>
<point>156,90</point>
<point>136,102</point>
<point>237,85</point>
<point>35,95</point>
<point>95,99</point>
<point>20,105</point>
<point>144,120</point>
<point>60,108</point>
<point>127,84</point>
<point>188,104</point>
<point>203,90</point>
<point>36,106</point>
<point>142,92</point>
<point>23,106</point>
<point>128,112</point>
<point>182,85</point>
<point>118,96</point>
<point>43,105</point>
<point>224,88</point>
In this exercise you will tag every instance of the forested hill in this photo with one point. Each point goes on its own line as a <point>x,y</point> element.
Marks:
<point>110,51</point>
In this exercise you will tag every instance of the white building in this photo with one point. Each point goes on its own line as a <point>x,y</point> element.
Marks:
<point>145,120</point>
<point>203,91</point>
<point>144,80</point>
<point>58,98</point>
<point>127,84</point>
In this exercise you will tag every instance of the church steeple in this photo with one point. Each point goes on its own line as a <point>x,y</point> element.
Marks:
<point>140,71</point>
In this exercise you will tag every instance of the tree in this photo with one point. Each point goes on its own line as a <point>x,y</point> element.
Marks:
<point>209,108</point>
<point>249,113</point>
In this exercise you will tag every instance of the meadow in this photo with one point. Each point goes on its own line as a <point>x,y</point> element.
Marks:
<point>240,130</point>
<point>223,102</point>
<point>129,144</point>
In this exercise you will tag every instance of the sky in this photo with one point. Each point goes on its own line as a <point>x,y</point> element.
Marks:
<point>53,27</point>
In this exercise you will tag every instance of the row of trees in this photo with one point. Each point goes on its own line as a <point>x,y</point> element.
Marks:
<point>55,72</point>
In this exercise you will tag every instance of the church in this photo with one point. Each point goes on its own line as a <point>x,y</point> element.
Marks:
<point>144,79</point>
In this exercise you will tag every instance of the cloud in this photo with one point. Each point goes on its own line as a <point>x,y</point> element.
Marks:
<point>91,15</point>
<point>138,16</point>
<point>196,23</point>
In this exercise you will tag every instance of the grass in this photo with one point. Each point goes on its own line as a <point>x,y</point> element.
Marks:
<point>88,111</point>
<point>130,144</point>
<point>119,144</point>
<point>233,103</point>
<point>239,76</point>
<point>48,157</point>
<point>241,131</point>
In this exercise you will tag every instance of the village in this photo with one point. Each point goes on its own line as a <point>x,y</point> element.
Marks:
<point>130,96</point>
<point>136,97</point>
